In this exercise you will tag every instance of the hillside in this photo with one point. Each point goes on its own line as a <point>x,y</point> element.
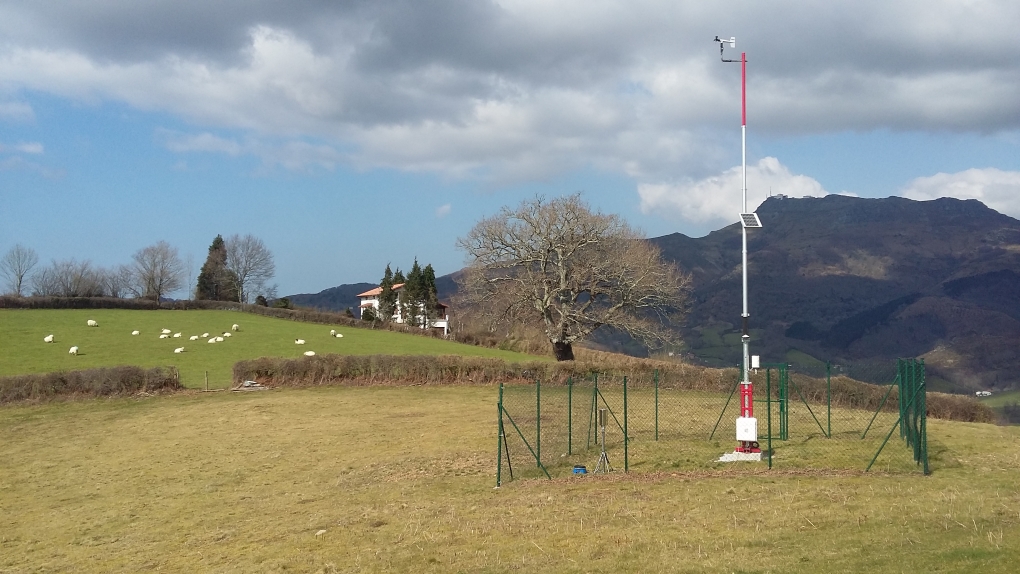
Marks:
<point>851,280</point>
<point>336,298</point>
<point>857,279</point>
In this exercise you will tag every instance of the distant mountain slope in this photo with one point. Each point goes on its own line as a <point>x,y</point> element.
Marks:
<point>333,299</point>
<point>848,279</point>
<point>858,279</point>
<point>346,296</point>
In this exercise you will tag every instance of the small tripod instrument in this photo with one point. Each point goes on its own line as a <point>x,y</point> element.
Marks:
<point>603,464</point>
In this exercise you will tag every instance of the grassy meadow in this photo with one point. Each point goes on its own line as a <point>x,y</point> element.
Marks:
<point>23,351</point>
<point>399,479</point>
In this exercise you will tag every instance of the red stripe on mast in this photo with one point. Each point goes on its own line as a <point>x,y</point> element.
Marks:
<point>743,88</point>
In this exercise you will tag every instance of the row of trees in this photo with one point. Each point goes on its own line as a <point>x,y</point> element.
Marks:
<point>418,300</point>
<point>235,268</point>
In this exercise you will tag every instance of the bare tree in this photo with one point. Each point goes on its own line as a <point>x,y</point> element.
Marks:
<point>250,264</point>
<point>68,278</point>
<point>558,264</point>
<point>16,265</point>
<point>158,270</point>
<point>121,281</point>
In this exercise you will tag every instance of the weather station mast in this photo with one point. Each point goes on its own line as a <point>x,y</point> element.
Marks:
<point>747,426</point>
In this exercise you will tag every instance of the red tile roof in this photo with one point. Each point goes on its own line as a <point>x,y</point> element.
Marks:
<point>378,291</point>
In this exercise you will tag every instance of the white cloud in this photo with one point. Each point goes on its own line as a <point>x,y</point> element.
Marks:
<point>997,189</point>
<point>520,90</point>
<point>16,111</point>
<point>443,210</point>
<point>295,155</point>
<point>718,198</point>
<point>25,147</point>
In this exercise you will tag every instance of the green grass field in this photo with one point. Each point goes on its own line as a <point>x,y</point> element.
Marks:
<point>22,349</point>
<point>1001,399</point>
<point>399,479</point>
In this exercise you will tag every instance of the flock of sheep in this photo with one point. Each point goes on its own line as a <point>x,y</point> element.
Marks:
<point>168,334</point>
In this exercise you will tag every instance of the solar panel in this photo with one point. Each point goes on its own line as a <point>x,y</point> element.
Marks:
<point>750,220</point>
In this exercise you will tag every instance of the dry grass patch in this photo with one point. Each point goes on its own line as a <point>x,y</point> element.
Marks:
<point>400,479</point>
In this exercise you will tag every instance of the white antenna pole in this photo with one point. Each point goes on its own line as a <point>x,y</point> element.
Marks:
<point>747,425</point>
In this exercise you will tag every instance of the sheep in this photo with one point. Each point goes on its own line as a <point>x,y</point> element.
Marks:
<point>48,339</point>
<point>193,338</point>
<point>74,350</point>
<point>166,331</point>
<point>177,335</point>
<point>332,332</point>
<point>235,327</point>
<point>219,339</point>
<point>179,350</point>
<point>339,335</point>
<point>299,341</point>
<point>226,334</point>
<point>92,323</point>
<point>309,353</point>
<point>213,340</point>
<point>135,332</point>
<point>164,336</point>
<point>205,335</point>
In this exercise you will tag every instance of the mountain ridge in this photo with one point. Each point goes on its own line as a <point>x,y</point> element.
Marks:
<point>849,279</point>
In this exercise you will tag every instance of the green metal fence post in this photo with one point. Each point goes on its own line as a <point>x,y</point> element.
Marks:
<point>901,365</point>
<point>499,438</point>
<point>538,422</point>
<point>656,404</point>
<point>570,411</point>
<point>924,420</point>
<point>591,412</point>
<point>626,437</point>
<point>768,411</point>
<point>828,394</point>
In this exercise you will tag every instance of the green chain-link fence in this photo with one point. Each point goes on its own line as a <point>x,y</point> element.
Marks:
<point>653,424</point>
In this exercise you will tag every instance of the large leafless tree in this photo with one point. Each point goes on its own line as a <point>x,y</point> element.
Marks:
<point>572,271</point>
<point>250,264</point>
<point>15,266</point>
<point>158,271</point>
<point>69,278</point>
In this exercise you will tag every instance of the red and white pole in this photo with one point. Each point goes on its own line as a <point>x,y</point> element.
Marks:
<point>747,427</point>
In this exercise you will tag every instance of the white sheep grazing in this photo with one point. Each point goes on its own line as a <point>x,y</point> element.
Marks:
<point>226,334</point>
<point>309,353</point>
<point>213,340</point>
<point>235,327</point>
<point>135,332</point>
<point>48,339</point>
<point>299,341</point>
<point>74,350</point>
<point>177,335</point>
<point>332,332</point>
<point>219,339</point>
<point>92,323</point>
<point>166,331</point>
<point>205,335</point>
<point>193,338</point>
<point>179,350</point>
<point>164,336</point>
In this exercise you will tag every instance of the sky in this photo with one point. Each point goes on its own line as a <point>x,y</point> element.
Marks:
<point>349,135</point>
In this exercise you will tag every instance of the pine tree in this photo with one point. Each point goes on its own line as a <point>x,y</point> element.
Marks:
<point>214,280</point>
<point>431,299</point>
<point>412,296</point>
<point>387,297</point>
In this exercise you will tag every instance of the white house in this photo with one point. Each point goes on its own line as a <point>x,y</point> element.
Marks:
<point>370,299</point>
